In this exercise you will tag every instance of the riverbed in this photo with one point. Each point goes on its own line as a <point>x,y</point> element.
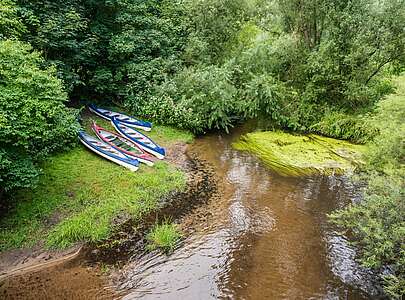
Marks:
<point>261,236</point>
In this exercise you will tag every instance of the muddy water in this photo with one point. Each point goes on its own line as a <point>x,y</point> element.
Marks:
<point>262,237</point>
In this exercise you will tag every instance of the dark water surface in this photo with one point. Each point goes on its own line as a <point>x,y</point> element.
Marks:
<point>267,237</point>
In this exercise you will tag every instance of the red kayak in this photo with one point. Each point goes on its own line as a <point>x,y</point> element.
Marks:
<point>122,144</point>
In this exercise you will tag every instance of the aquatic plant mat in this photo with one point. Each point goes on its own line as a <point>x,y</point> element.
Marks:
<point>302,155</point>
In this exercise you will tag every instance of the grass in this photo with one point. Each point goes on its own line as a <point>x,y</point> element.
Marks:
<point>299,155</point>
<point>163,236</point>
<point>81,196</point>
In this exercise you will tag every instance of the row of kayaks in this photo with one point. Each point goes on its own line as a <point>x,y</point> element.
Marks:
<point>127,146</point>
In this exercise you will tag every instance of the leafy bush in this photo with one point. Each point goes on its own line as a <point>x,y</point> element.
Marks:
<point>378,222</point>
<point>33,119</point>
<point>195,99</point>
<point>10,25</point>
<point>345,126</point>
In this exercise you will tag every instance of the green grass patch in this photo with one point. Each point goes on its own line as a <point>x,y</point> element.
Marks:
<point>163,236</point>
<point>299,155</point>
<point>79,198</point>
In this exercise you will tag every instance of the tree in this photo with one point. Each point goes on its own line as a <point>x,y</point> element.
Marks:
<point>33,119</point>
<point>10,25</point>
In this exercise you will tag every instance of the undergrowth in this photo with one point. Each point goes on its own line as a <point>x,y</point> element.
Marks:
<point>378,222</point>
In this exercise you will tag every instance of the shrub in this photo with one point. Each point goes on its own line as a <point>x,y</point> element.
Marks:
<point>33,119</point>
<point>195,99</point>
<point>378,221</point>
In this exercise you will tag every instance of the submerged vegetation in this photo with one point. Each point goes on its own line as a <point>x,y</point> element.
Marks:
<point>163,236</point>
<point>299,155</point>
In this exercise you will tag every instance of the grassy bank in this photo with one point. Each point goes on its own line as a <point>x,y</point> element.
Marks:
<point>82,197</point>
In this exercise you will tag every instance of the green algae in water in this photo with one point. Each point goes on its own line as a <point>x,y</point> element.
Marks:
<point>301,155</point>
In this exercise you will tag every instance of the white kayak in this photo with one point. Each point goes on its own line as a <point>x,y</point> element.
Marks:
<point>123,118</point>
<point>140,139</point>
<point>108,152</point>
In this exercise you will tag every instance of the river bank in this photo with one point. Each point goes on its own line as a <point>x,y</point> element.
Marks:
<point>82,198</point>
<point>90,272</point>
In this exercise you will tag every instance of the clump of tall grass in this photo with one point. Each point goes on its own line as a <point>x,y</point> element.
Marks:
<point>163,236</point>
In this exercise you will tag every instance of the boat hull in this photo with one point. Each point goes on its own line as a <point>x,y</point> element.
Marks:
<point>103,135</point>
<point>131,122</point>
<point>129,133</point>
<point>131,164</point>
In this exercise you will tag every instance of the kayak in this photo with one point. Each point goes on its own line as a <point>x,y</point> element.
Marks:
<point>127,120</point>
<point>108,152</point>
<point>122,144</point>
<point>139,138</point>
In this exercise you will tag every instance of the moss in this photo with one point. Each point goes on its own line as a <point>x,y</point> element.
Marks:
<point>299,155</point>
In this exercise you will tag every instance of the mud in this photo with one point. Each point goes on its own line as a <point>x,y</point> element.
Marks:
<point>68,280</point>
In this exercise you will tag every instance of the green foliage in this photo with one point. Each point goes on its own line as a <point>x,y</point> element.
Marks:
<point>305,72</point>
<point>378,221</point>
<point>10,26</point>
<point>33,119</point>
<point>111,49</point>
<point>163,236</point>
<point>195,99</point>
<point>299,64</point>
<point>212,24</point>
<point>342,125</point>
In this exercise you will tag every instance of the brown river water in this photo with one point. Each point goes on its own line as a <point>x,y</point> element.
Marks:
<point>262,236</point>
<point>267,237</point>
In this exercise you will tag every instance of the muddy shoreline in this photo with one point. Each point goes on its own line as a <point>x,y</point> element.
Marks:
<point>83,269</point>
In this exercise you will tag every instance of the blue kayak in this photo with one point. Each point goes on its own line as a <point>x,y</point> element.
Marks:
<point>108,152</point>
<point>140,139</point>
<point>127,120</point>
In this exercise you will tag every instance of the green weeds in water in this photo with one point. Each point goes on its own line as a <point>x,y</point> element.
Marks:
<point>299,155</point>
<point>163,236</point>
